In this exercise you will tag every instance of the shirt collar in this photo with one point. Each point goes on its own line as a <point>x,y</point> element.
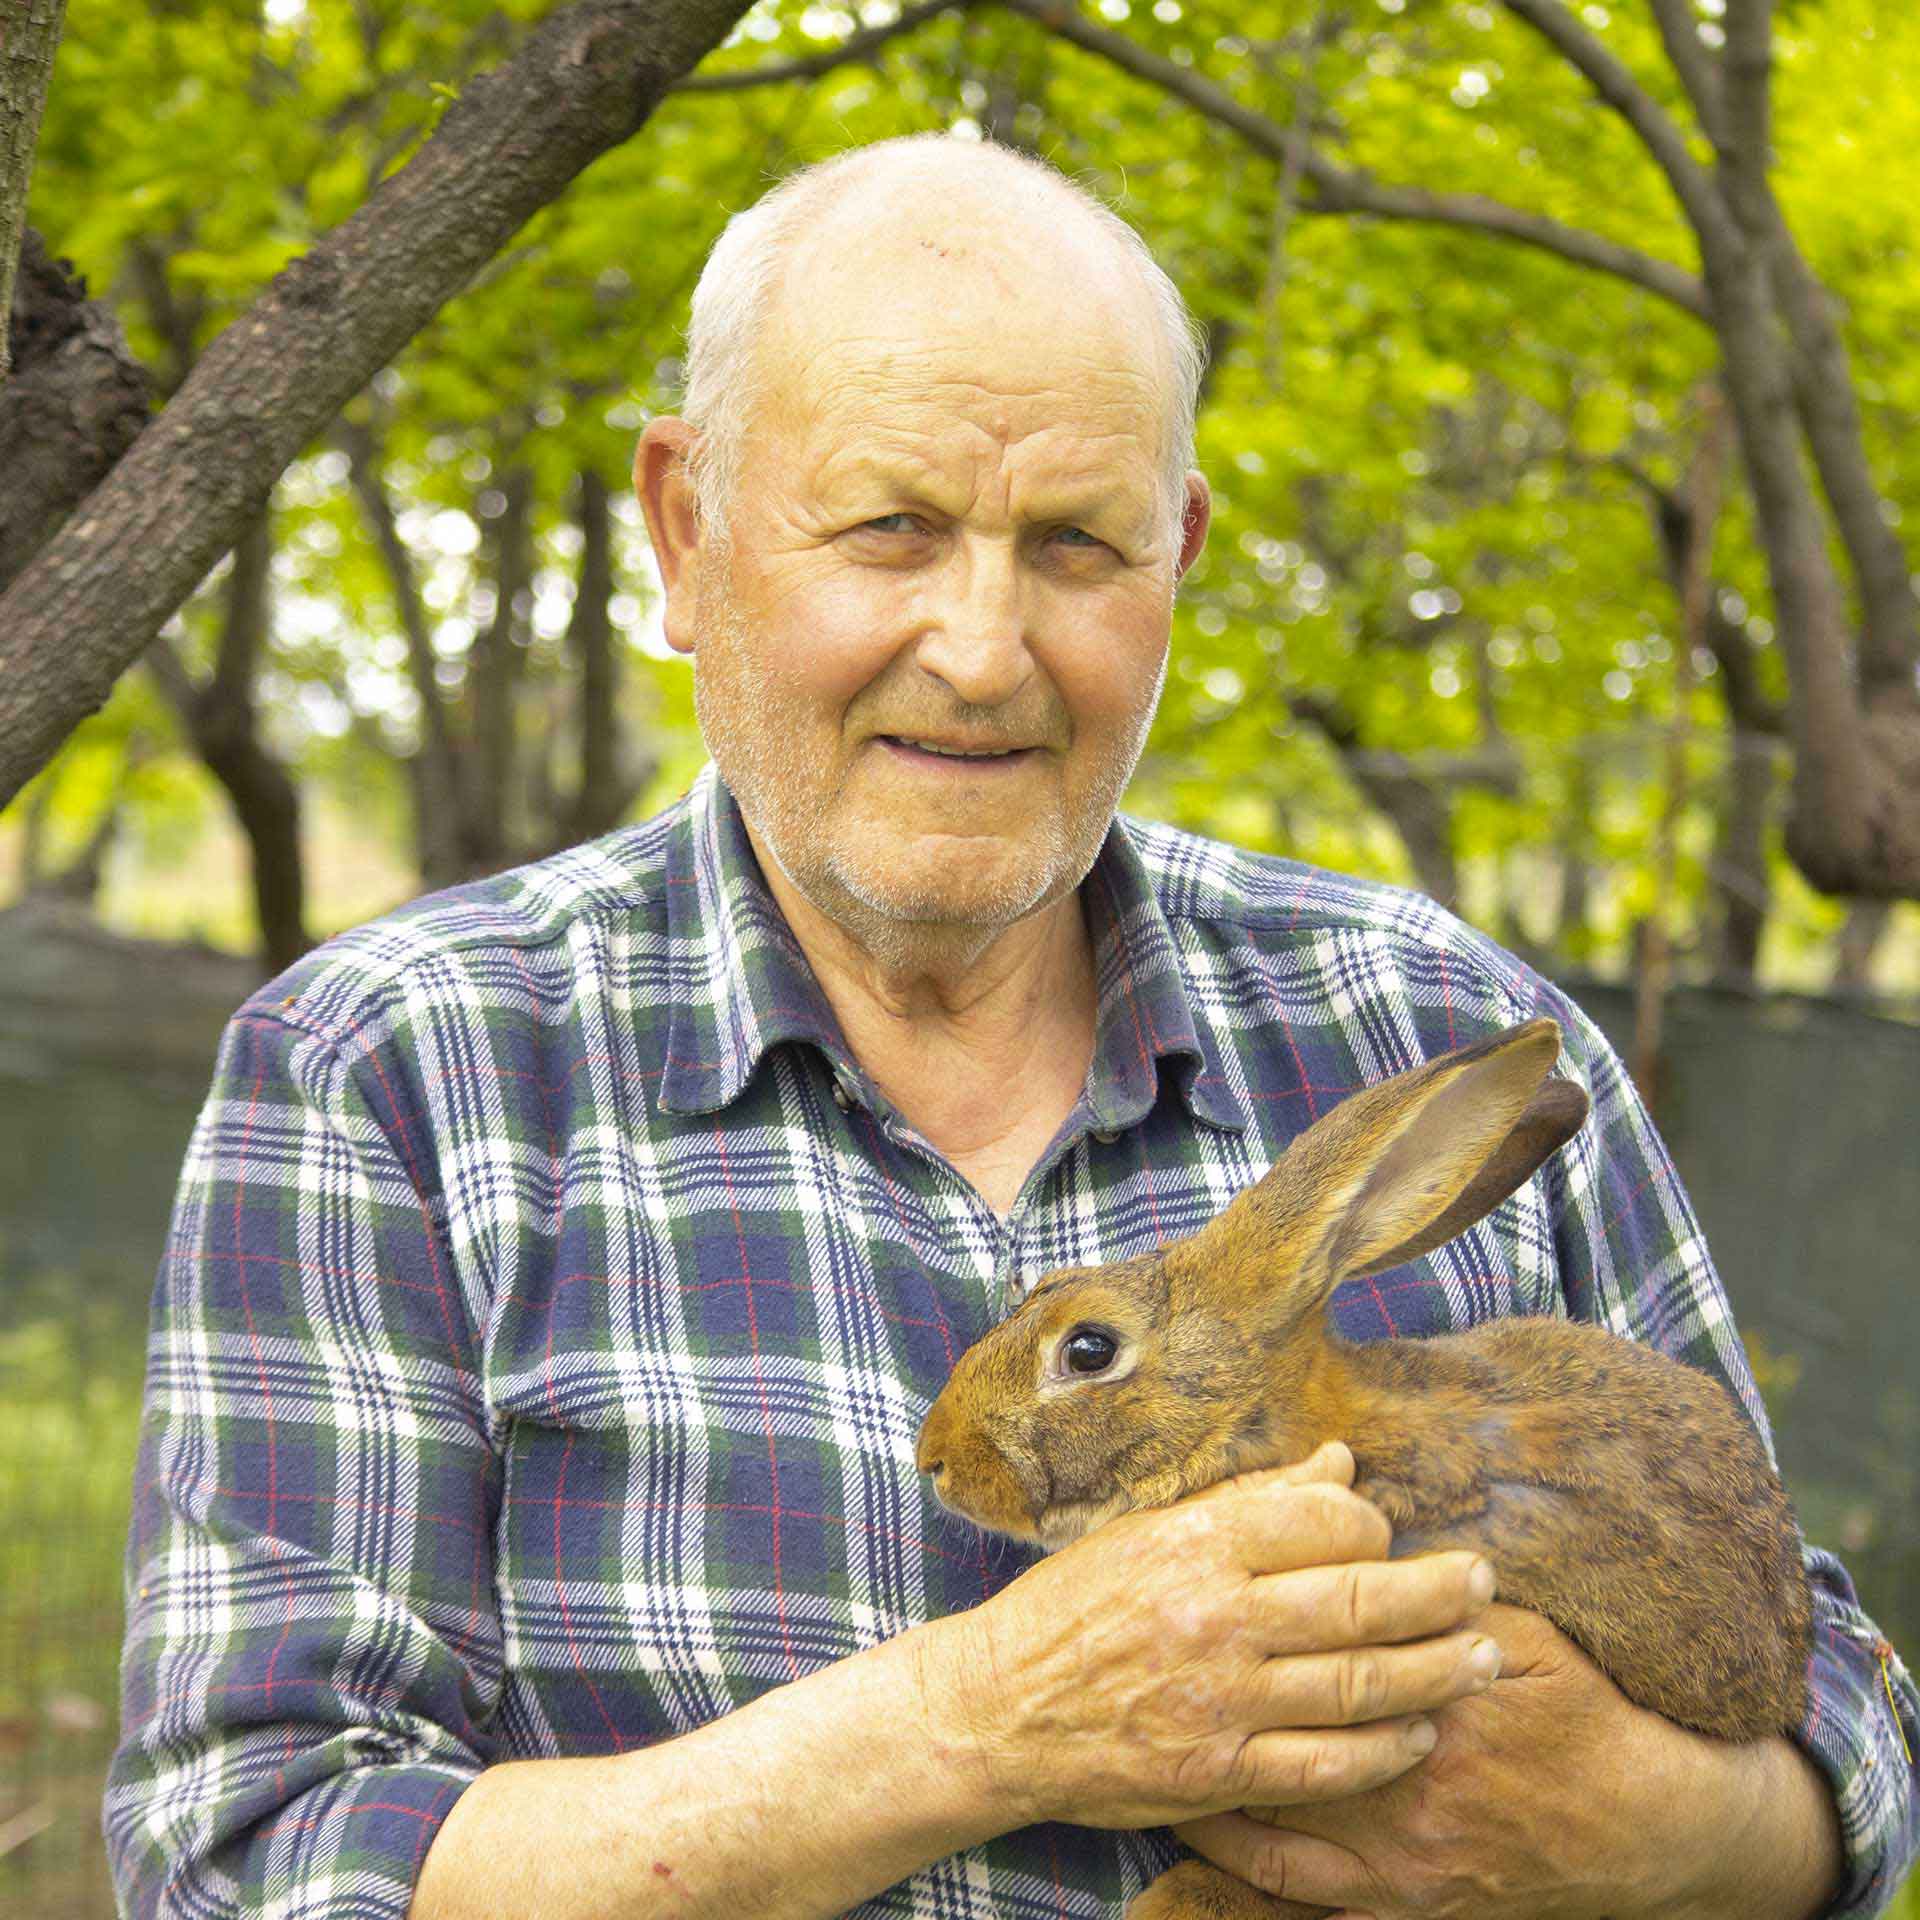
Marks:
<point>751,987</point>
<point>1147,1016</point>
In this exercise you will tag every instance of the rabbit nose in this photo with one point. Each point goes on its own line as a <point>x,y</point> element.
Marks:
<point>929,1455</point>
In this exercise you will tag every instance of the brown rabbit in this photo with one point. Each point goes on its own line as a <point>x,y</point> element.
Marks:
<point>1618,1492</point>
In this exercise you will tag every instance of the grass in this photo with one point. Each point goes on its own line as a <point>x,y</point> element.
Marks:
<point>70,1381</point>
<point>66,1477</point>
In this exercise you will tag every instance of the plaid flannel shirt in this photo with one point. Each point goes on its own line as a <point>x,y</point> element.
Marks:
<point>551,1303</point>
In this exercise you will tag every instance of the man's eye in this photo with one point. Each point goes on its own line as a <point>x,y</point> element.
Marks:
<point>1077,536</point>
<point>892,523</point>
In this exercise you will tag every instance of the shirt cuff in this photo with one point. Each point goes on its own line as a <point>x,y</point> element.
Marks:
<point>1862,1730</point>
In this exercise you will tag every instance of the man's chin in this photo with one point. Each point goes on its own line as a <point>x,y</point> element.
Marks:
<point>945,881</point>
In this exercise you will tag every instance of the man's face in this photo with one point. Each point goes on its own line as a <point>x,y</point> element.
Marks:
<point>950,534</point>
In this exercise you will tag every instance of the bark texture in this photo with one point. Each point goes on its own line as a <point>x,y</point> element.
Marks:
<point>75,403</point>
<point>29,34</point>
<point>585,80</point>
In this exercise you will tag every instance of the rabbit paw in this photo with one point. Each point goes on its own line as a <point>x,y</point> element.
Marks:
<point>1195,1890</point>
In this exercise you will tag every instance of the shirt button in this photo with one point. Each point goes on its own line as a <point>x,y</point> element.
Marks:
<point>841,1097</point>
<point>1106,1135</point>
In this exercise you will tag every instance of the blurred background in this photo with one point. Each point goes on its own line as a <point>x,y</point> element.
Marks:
<point>1488,610</point>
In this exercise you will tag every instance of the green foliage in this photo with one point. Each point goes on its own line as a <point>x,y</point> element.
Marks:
<point>1421,439</point>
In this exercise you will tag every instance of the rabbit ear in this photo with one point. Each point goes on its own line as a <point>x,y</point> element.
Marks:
<point>1422,1161</point>
<point>1424,1155</point>
<point>1394,1170</point>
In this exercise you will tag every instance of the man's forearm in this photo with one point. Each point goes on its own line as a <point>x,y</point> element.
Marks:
<point>804,1803</point>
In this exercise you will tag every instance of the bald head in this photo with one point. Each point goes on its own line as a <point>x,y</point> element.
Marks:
<point>930,234</point>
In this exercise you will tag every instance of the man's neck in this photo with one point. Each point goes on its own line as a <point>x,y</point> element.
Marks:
<point>982,1039</point>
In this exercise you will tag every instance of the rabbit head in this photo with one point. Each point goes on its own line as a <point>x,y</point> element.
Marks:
<point>1130,1385</point>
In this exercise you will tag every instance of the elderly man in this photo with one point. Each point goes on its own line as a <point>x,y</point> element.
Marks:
<point>527,1514</point>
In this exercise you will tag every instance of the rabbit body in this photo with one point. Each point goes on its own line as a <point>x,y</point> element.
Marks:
<point>1618,1492</point>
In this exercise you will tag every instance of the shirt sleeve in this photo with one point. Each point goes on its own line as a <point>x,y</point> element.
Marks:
<point>312,1646</point>
<point>1632,1258</point>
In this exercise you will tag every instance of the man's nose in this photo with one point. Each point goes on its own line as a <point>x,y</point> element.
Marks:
<point>977,639</point>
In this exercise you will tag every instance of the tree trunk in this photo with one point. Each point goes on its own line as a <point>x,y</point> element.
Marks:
<point>1574,909</point>
<point>584,80</point>
<point>1860,936</point>
<point>437,771</point>
<point>78,882</point>
<point>29,33</point>
<point>1742,886</point>
<point>1738,871</point>
<point>221,718</point>
<point>494,674</point>
<point>602,796</point>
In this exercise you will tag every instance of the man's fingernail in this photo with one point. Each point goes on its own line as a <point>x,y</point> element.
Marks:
<point>1483,1663</point>
<point>1421,1736</point>
<point>1480,1582</point>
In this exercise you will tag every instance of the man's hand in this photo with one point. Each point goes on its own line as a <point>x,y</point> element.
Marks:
<point>1553,1797</point>
<point>1252,1645</point>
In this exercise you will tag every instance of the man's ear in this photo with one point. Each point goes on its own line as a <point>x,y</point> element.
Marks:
<point>1196,515</point>
<point>665,490</point>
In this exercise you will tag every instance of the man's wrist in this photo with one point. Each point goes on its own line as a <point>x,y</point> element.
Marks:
<point>1773,1850</point>
<point>968,1731</point>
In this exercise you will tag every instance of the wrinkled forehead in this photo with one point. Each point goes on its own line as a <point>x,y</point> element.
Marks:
<point>887,317</point>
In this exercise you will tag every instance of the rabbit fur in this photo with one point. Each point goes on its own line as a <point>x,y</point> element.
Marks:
<point>1620,1493</point>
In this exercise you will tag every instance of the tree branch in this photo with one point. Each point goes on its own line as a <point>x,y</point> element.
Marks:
<point>856,46</point>
<point>1611,79</point>
<point>1420,810</point>
<point>584,80</point>
<point>1339,190</point>
<point>1699,72</point>
<point>1343,192</point>
<point>1746,145</point>
<point>1823,396</point>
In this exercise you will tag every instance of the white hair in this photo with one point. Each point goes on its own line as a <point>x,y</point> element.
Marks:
<point>723,377</point>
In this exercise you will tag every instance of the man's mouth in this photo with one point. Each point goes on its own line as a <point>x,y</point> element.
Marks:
<point>952,753</point>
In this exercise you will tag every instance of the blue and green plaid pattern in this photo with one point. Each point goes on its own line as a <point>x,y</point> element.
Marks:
<point>551,1304</point>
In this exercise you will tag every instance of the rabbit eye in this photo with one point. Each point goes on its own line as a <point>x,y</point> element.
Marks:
<point>1089,1350</point>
